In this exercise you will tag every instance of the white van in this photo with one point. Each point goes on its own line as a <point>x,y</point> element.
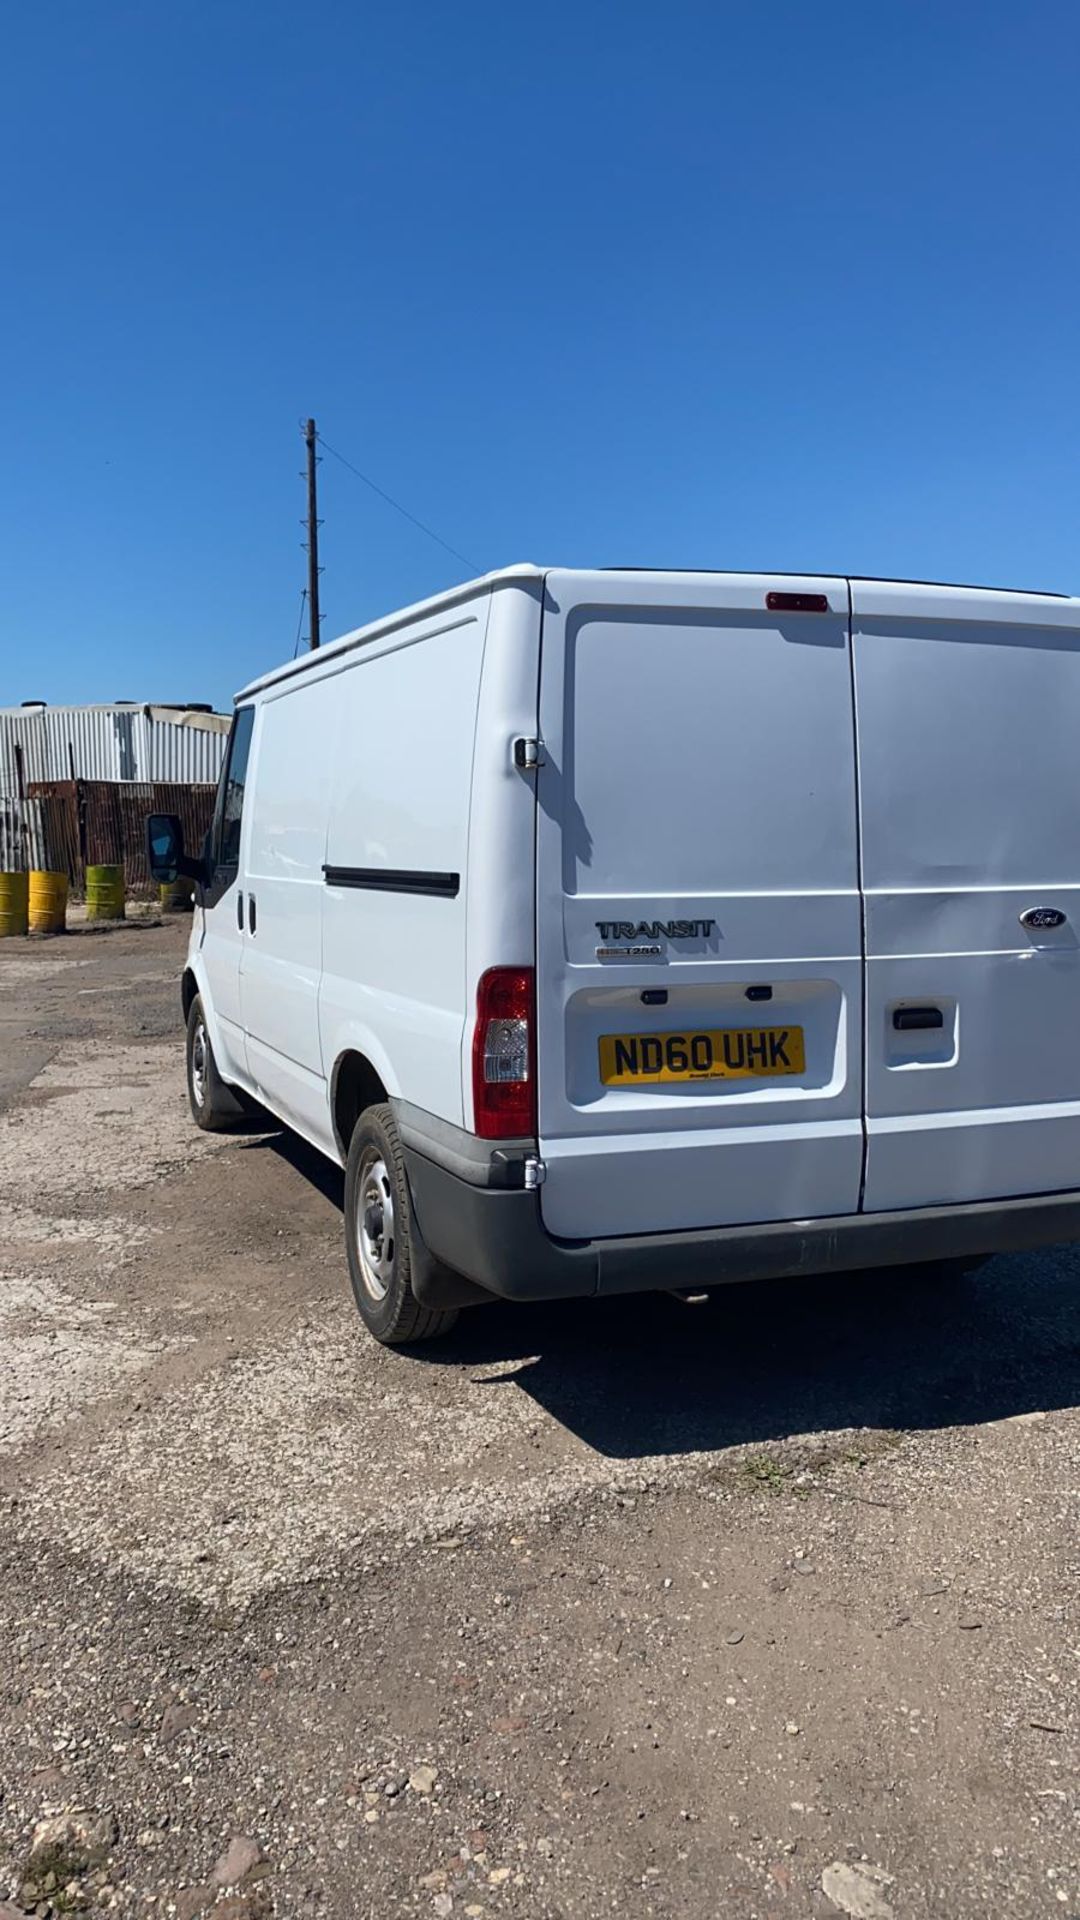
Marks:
<point>623,930</point>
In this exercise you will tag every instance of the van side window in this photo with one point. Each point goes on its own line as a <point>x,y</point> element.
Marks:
<point>228,851</point>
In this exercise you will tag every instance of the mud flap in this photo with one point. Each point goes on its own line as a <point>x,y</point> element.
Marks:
<point>433,1284</point>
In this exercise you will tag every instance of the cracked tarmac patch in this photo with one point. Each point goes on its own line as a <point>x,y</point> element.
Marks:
<point>99,1117</point>
<point>59,1353</point>
<point>205,1448</point>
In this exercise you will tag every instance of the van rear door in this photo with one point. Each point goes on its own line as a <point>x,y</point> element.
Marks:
<point>968,713</point>
<point>699,940</point>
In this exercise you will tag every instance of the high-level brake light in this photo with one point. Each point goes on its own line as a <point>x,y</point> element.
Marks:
<point>797,602</point>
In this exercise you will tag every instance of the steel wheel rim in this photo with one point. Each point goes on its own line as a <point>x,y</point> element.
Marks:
<point>376,1235</point>
<point>200,1063</point>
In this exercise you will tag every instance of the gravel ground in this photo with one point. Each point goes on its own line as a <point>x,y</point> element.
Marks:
<point>763,1608</point>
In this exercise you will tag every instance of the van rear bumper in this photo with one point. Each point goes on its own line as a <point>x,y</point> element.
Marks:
<point>496,1240</point>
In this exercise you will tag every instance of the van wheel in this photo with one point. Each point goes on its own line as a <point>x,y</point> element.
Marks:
<point>213,1105</point>
<point>378,1235</point>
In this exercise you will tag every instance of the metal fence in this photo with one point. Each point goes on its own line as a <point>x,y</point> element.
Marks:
<point>64,826</point>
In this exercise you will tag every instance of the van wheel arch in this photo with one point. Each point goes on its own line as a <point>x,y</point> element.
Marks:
<point>355,1086</point>
<point>357,1089</point>
<point>381,1240</point>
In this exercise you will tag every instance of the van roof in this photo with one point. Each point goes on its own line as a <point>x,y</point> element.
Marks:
<point>527,570</point>
<point>401,617</point>
<point>785,573</point>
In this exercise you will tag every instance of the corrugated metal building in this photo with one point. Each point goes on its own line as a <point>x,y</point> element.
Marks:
<point>118,742</point>
<point>76,783</point>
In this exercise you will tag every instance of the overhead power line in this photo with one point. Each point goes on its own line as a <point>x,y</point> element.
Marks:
<point>398,508</point>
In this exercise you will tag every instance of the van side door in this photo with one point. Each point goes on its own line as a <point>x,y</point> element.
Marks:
<point>284,852</point>
<point>223,899</point>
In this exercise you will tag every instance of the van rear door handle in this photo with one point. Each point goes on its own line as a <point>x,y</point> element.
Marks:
<point>251,913</point>
<point>240,911</point>
<point>905,1018</point>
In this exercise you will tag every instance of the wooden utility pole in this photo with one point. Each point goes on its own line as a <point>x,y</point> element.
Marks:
<point>310,438</point>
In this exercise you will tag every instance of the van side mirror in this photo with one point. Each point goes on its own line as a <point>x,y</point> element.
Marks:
<point>164,846</point>
<point>165,854</point>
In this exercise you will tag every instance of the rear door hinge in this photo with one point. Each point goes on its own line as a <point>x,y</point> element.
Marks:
<point>528,754</point>
<point>535,1173</point>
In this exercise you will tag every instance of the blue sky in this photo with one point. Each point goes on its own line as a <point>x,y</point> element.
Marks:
<point>774,285</point>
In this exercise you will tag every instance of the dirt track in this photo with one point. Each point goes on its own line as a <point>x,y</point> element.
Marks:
<point>683,1608</point>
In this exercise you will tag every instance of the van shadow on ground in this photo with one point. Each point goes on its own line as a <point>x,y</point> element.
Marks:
<point>898,1348</point>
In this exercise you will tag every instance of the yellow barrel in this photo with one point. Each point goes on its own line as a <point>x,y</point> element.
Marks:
<point>14,893</point>
<point>176,895</point>
<point>48,901</point>
<point>104,893</point>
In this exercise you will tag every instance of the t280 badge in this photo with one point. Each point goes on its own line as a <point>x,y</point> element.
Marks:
<point>635,932</point>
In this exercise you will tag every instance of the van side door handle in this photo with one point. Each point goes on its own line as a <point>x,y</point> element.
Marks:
<point>240,911</point>
<point>906,1018</point>
<point>251,913</point>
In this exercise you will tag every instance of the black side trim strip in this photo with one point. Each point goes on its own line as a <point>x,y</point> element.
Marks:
<point>395,880</point>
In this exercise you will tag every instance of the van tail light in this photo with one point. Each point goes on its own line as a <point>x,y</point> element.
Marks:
<point>504,1054</point>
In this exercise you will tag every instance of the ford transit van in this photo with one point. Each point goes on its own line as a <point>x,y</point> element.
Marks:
<point>621,930</point>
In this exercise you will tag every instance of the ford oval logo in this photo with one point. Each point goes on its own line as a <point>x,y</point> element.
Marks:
<point>1042,917</point>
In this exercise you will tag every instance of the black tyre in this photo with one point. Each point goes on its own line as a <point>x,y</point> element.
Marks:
<point>213,1105</point>
<point>379,1236</point>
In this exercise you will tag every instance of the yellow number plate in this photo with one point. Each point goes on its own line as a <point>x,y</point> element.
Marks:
<point>726,1053</point>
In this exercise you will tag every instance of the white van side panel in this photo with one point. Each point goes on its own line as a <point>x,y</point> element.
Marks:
<point>699,765</point>
<point>401,752</point>
<point>282,881</point>
<point>501,878</point>
<point>968,709</point>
